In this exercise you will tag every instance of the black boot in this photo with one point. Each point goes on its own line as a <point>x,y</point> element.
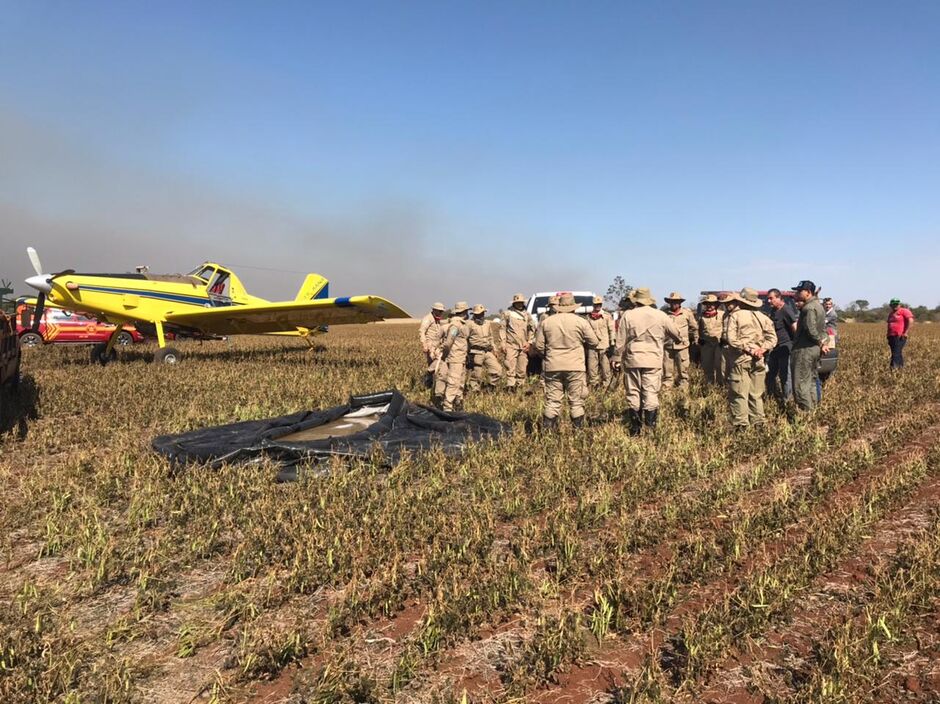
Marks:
<point>650,418</point>
<point>634,422</point>
<point>549,424</point>
<point>578,422</point>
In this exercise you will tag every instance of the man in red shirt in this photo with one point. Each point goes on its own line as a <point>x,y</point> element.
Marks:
<point>899,323</point>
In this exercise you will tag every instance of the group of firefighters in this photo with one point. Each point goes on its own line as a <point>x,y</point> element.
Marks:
<point>648,347</point>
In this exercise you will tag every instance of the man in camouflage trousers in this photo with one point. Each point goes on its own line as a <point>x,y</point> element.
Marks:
<point>710,325</point>
<point>561,340</point>
<point>452,369</point>
<point>431,336</point>
<point>484,365</point>
<point>749,335</point>
<point>642,332</point>
<point>809,344</point>
<point>676,356</point>
<point>518,333</point>
<point>598,361</point>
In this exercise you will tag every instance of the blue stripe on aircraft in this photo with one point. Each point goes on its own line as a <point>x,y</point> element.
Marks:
<point>342,302</point>
<point>324,292</point>
<point>176,298</point>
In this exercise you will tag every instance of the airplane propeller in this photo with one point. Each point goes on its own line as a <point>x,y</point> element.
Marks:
<point>42,283</point>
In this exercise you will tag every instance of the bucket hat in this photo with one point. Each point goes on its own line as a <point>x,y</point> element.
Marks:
<point>675,296</point>
<point>597,300</point>
<point>519,298</point>
<point>747,297</point>
<point>566,304</point>
<point>438,307</point>
<point>478,309</point>
<point>460,307</point>
<point>642,297</point>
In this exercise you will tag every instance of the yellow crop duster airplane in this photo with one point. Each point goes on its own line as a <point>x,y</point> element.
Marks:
<point>210,300</point>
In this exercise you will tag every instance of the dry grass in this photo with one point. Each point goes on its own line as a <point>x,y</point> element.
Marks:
<point>650,566</point>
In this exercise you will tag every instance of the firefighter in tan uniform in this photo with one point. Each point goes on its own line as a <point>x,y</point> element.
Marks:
<point>518,334</point>
<point>676,356</point>
<point>542,317</point>
<point>710,326</point>
<point>561,340</point>
<point>749,335</point>
<point>598,361</point>
<point>431,336</point>
<point>550,310</point>
<point>642,332</point>
<point>484,365</point>
<point>451,372</point>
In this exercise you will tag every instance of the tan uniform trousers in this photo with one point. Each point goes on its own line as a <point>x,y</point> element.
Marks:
<point>643,387</point>
<point>675,368</point>
<point>486,369</point>
<point>455,376</point>
<point>713,363</point>
<point>598,368</point>
<point>561,385</point>
<point>746,384</point>
<point>440,384</point>
<point>517,361</point>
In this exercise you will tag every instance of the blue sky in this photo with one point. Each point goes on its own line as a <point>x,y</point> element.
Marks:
<point>467,150</point>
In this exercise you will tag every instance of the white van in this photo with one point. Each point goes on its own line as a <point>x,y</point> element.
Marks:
<point>538,302</point>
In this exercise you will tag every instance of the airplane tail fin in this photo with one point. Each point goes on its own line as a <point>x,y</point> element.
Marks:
<point>314,287</point>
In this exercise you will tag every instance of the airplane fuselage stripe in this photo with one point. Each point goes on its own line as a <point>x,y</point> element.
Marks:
<point>201,301</point>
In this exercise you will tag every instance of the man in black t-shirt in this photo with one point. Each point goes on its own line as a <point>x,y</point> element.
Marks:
<point>778,361</point>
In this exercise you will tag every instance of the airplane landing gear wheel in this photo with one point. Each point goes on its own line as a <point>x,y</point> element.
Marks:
<point>100,356</point>
<point>167,355</point>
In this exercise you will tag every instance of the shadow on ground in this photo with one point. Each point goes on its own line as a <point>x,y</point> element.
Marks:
<point>19,405</point>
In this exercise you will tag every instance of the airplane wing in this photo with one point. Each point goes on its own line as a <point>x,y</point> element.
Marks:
<point>287,316</point>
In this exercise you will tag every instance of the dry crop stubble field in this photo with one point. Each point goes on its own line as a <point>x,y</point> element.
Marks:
<point>795,563</point>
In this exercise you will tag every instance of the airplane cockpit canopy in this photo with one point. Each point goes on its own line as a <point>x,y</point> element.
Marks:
<point>204,272</point>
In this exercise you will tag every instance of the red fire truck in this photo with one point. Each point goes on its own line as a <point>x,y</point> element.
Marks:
<point>65,327</point>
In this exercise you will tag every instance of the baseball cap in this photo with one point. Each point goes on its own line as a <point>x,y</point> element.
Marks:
<point>805,285</point>
<point>895,302</point>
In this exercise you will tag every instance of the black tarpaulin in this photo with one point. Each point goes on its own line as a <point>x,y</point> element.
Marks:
<point>384,422</point>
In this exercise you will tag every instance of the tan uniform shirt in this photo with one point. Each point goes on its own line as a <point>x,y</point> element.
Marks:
<point>641,336</point>
<point>709,329</point>
<point>748,330</point>
<point>456,341</point>
<point>430,334</point>
<point>685,323</point>
<point>518,329</point>
<point>480,336</point>
<point>603,327</point>
<point>560,339</point>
